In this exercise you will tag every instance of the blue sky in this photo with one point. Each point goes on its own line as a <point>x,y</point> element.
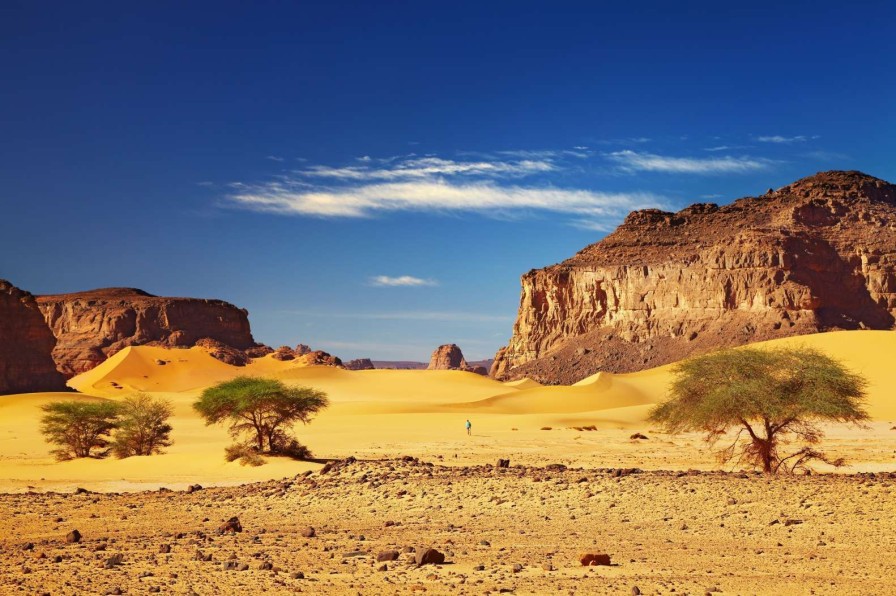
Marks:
<point>373,178</point>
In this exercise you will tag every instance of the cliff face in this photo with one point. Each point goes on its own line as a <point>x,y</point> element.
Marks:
<point>816,255</point>
<point>91,326</point>
<point>26,345</point>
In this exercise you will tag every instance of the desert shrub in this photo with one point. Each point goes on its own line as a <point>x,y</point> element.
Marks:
<point>260,411</point>
<point>246,454</point>
<point>770,397</point>
<point>143,427</point>
<point>296,450</point>
<point>79,428</point>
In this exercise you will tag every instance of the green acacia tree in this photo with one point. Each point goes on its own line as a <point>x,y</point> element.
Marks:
<point>261,410</point>
<point>769,397</point>
<point>143,427</point>
<point>79,428</point>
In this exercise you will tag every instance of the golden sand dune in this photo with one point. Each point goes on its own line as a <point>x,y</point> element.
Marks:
<point>376,413</point>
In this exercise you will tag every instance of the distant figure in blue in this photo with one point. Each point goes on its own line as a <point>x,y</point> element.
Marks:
<point>469,426</point>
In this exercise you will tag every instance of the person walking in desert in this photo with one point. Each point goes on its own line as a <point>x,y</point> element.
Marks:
<point>469,427</point>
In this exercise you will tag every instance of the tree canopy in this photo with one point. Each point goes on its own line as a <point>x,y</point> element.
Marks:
<point>143,427</point>
<point>79,428</point>
<point>264,409</point>
<point>767,394</point>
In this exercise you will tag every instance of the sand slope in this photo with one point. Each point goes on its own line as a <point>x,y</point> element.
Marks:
<point>376,413</point>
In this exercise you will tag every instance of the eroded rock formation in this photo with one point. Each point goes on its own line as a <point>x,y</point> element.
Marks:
<point>91,326</point>
<point>450,357</point>
<point>816,255</point>
<point>447,357</point>
<point>26,345</point>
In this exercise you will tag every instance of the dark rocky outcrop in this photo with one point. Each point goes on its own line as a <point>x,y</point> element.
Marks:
<point>91,326</point>
<point>26,345</point>
<point>815,255</point>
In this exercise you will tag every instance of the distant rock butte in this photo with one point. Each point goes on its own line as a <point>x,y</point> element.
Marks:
<point>450,357</point>
<point>26,345</point>
<point>359,364</point>
<point>815,255</point>
<point>91,326</point>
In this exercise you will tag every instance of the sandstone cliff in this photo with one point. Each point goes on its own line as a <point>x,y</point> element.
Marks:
<point>816,255</point>
<point>91,326</point>
<point>26,345</point>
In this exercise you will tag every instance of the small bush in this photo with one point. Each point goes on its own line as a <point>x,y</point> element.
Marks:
<point>79,428</point>
<point>246,454</point>
<point>252,459</point>
<point>295,450</point>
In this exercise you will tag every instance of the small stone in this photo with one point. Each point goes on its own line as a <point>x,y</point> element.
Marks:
<point>589,559</point>
<point>309,532</point>
<point>297,575</point>
<point>73,537</point>
<point>232,526</point>
<point>428,556</point>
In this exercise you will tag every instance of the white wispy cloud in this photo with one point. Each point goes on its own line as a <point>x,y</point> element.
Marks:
<point>425,167</point>
<point>437,195</point>
<point>406,281</point>
<point>783,139</point>
<point>632,161</point>
<point>274,158</point>
<point>507,184</point>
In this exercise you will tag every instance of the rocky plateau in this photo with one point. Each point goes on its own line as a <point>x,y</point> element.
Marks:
<point>816,255</point>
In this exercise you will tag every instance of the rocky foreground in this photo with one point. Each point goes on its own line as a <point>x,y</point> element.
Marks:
<point>380,527</point>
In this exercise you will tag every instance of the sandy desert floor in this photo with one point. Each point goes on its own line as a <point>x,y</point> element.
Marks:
<point>666,531</point>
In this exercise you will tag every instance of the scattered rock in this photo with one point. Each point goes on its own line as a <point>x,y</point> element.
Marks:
<point>428,556</point>
<point>73,537</point>
<point>388,555</point>
<point>232,526</point>
<point>308,532</point>
<point>590,559</point>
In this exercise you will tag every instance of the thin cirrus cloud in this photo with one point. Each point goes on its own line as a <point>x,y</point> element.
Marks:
<point>782,139</point>
<point>633,161</point>
<point>401,281</point>
<point>487,185</point>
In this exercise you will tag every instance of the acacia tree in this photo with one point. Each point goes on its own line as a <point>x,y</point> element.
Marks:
<point>143,427</point>
<point>79,427</point>
<point>262,409</point>
<point>770,397</point>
